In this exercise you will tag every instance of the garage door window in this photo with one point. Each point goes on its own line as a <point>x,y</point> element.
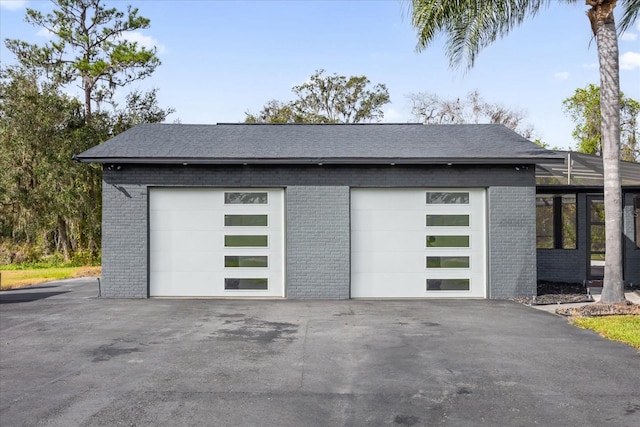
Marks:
<point>246,198</point>
<point>447,241</point>
<point>246,261</point>
<point>245,241</point>
<point>447,198</point>
<point>447,220</point>
<point>246,220</point>
<point>447,262</point>
<point>254,284</point>
<point>448,284</point>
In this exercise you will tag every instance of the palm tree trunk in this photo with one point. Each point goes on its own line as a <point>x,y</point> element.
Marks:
<point>603,23</point>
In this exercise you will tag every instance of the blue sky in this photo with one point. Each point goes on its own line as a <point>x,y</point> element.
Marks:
<point>223,58</point>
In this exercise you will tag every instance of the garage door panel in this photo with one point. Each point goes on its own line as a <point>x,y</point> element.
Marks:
<point>187,261</point>
<point>391,243</point>
<point>185,284</point>
<point>399,196</point>
<point>180,199</point>
<point>367,261</point>
<point>395,285</point>
<point>195,220</point>
<point>185,220</point>
<point>411,240</point>
<point>385,220</point>
<point>275,224</point>
<point>188,237</point>
<point>184,240</point>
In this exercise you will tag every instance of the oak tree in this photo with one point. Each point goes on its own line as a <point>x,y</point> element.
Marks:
<point>328,99</point>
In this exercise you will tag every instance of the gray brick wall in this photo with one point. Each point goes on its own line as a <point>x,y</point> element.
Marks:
<point>512,243</point>
<point>318,249</point>
<point>317,202</point>
<point>124,240</point>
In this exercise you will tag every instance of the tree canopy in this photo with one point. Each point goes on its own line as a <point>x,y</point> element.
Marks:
<point>584,109</point>
<point>50,205</point>
<point>44,201</point>
<point>327,99</point>
<point>429,108</point>
<point>89,46</point>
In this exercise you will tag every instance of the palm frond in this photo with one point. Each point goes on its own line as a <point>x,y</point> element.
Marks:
<point>630,11</point>
<point>470,25</point>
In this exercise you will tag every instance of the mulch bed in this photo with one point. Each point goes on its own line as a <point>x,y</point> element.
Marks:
<point>602,309</point>
<point>568,293</point>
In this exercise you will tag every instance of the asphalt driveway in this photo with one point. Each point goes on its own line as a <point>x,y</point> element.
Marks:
<point>68,358</point>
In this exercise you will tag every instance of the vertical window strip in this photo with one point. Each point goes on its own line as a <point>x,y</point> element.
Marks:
<point>556,221</point>
<point>637,219</point>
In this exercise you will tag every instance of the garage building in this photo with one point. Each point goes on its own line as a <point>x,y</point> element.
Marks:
<point>319,211</point>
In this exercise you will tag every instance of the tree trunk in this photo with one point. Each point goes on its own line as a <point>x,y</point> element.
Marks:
<point>87,100</point>
<point>603,23</point>
<point>64,238</point>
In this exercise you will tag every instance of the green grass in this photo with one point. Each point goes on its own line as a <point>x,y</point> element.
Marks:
<point>12,278</point>
<point>625,329</point>
<point>52,262</point>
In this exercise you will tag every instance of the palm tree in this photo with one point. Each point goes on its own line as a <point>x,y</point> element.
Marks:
<point>471,25</point>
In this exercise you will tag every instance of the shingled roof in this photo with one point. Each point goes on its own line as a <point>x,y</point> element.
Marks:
<point>326,143</point>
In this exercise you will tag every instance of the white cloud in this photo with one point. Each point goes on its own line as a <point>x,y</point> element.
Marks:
<point>43,32</point>
<point>628,37</point>
<point>563,75</point>
<point>144,41</point>
<point>591,65</point>
<point>630,61</point>
<point>12,4</point>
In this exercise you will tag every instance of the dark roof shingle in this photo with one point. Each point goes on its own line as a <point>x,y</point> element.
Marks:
<point>302,143</point>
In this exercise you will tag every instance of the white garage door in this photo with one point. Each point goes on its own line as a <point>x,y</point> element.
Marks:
<point>213,242</point>
<point>412,243</point>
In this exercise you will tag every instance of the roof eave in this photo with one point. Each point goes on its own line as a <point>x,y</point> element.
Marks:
<point>552,188</point>
<point>317,160</point>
